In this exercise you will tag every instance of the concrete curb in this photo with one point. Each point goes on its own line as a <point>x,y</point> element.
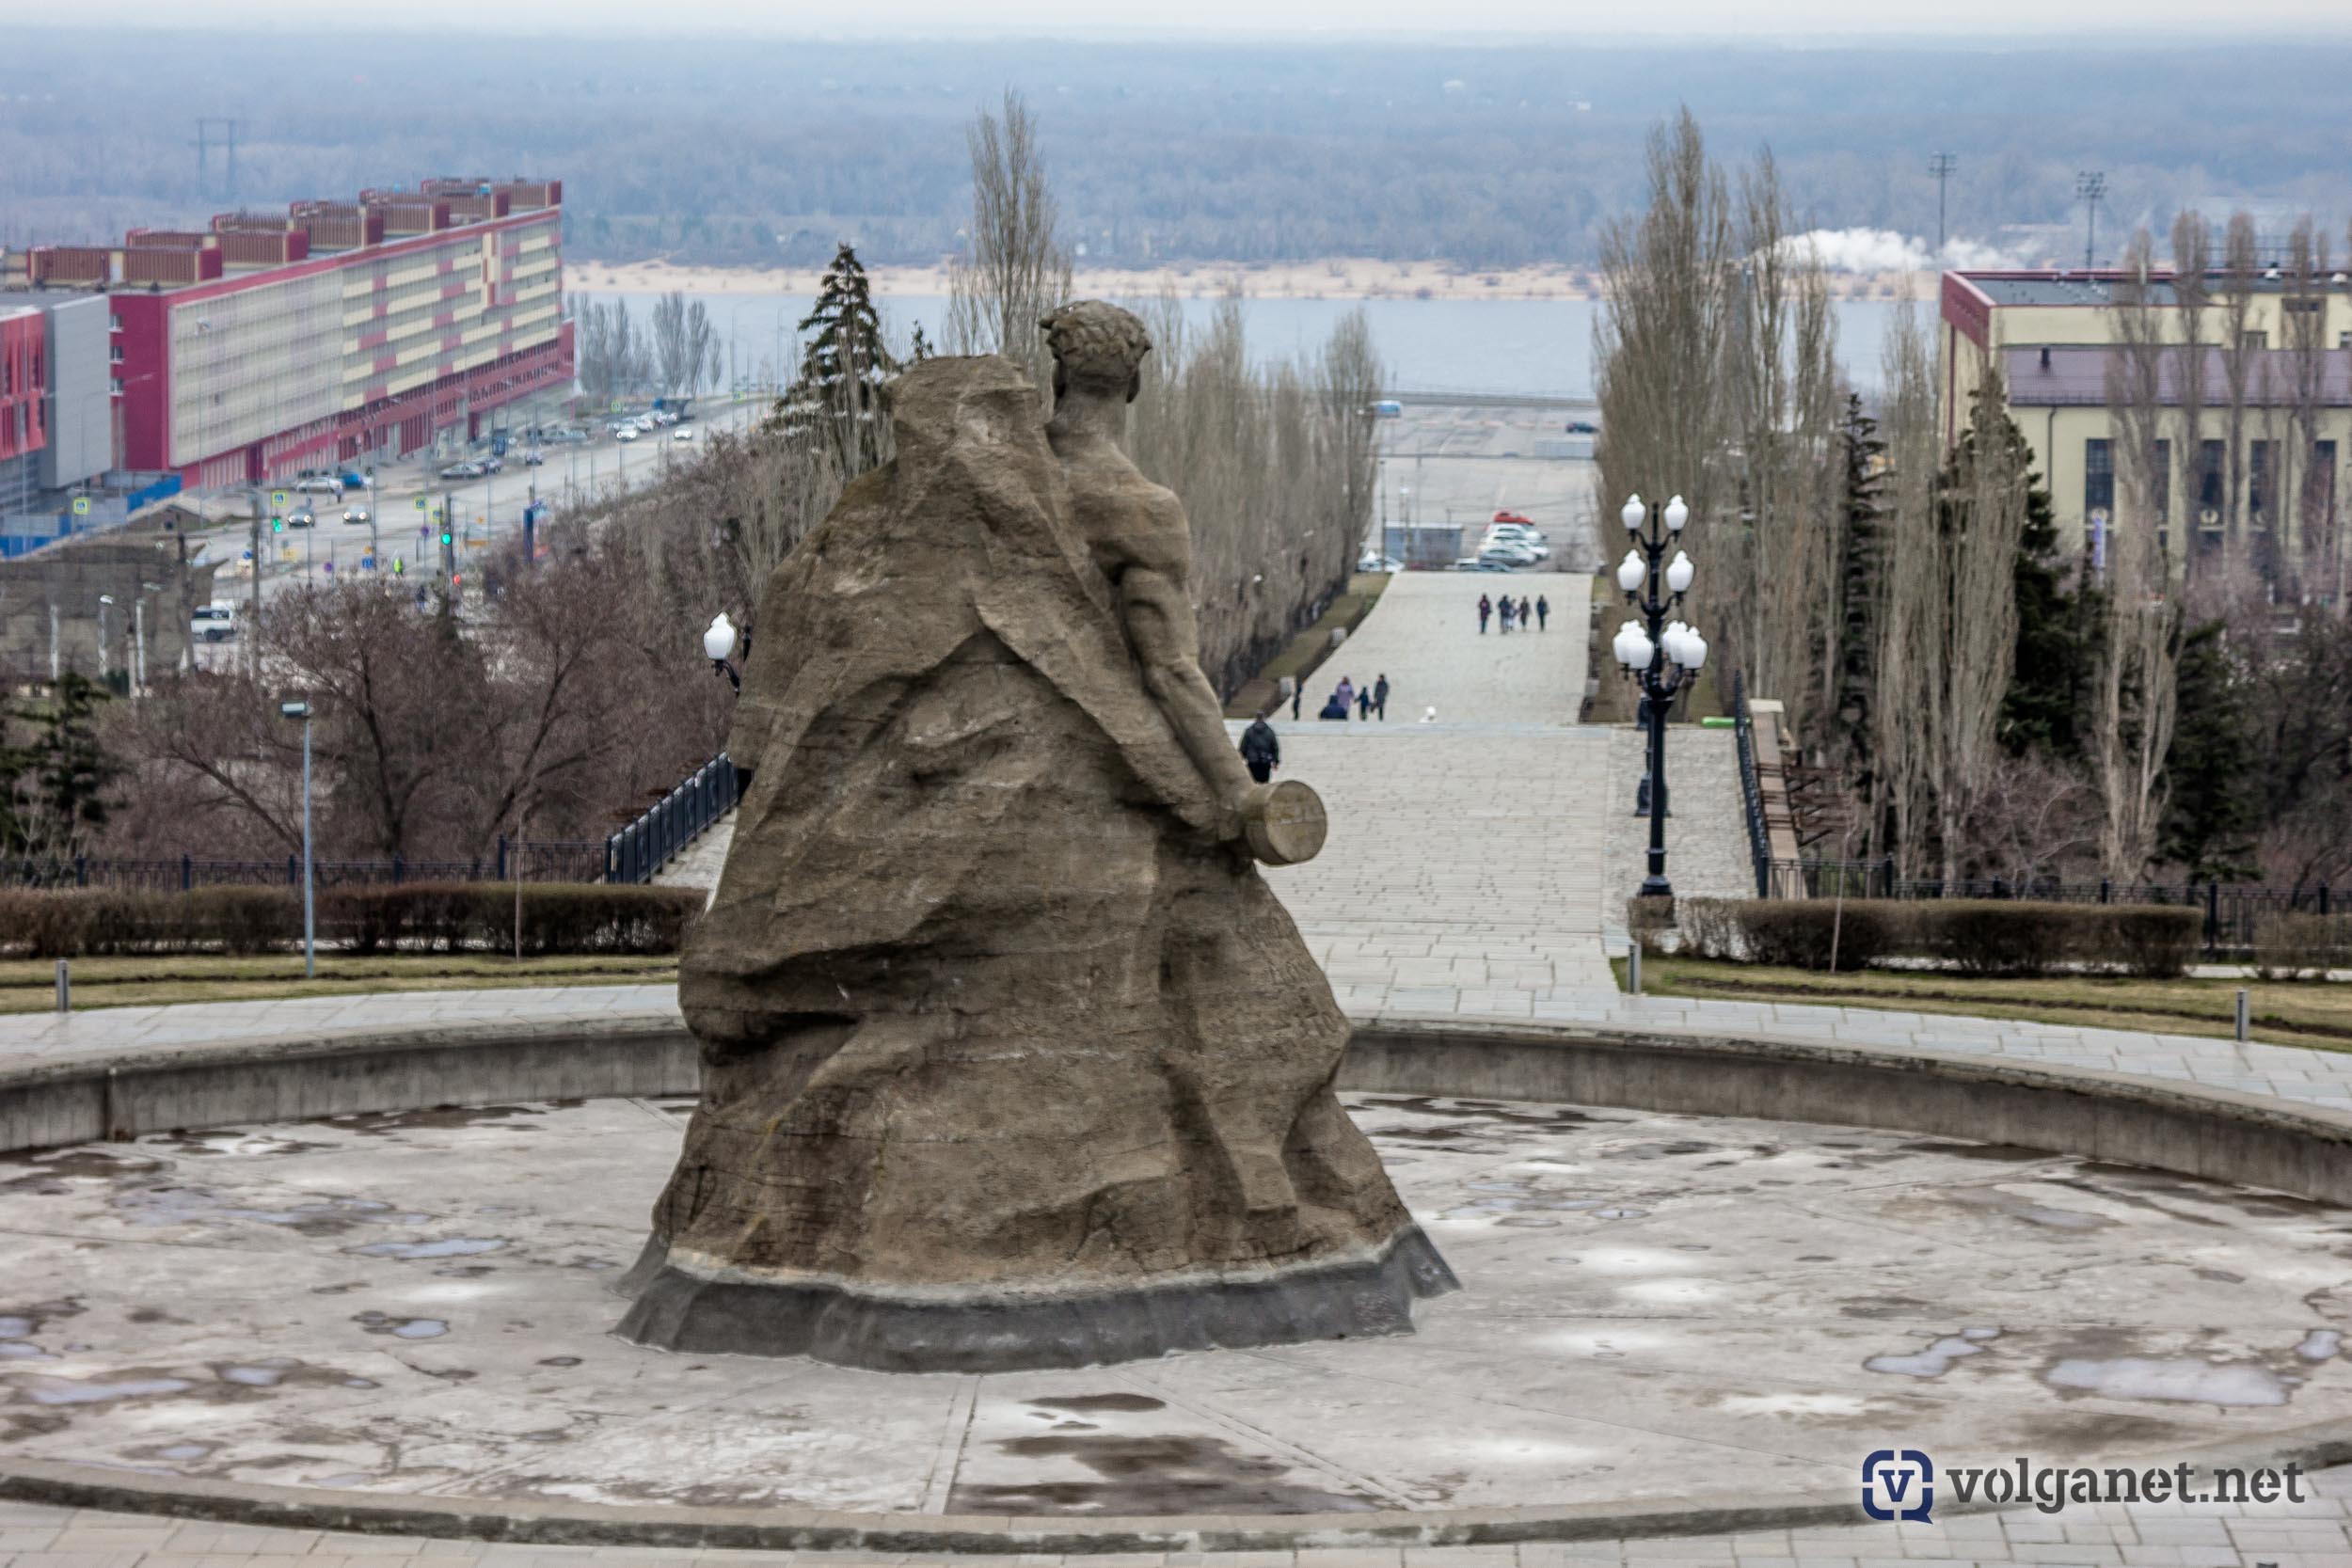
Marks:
<point>778,1529</point>
<point>2165,1124</point>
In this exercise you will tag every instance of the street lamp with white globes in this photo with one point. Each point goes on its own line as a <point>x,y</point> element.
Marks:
<point>719,641</point>
<point>1662,657</point>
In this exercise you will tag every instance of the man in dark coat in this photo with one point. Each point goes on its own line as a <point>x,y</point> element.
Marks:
<point>1380,698</point>
<point>1260,753</point>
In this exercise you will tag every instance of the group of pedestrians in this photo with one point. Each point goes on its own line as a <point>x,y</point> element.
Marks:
<point>1539,608</point>
<point>1368,703</point>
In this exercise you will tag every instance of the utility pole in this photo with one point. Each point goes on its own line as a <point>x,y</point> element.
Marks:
<point>1940,165</point>
<point>253,625</point>
<point>2090,187</point>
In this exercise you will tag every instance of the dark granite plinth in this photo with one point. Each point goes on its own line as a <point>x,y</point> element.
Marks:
<point>997,1332</point>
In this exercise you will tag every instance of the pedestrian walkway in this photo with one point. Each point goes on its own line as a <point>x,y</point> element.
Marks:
<point>1423,635</point>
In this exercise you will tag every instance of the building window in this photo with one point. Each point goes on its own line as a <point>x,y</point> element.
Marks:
<point>2211,476</point>
<point>2099,478</point>
<point>2258,461</point>
<point>2319,488</point>
<point>2253,340</point>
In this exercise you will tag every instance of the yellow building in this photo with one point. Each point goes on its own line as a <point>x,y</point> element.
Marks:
<point>2272,375</point>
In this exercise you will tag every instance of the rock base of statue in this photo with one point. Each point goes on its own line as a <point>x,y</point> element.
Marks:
<point>953,1330</point>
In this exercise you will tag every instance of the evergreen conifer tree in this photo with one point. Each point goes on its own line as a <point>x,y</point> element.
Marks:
<point>2046,709</point>
<point>71,770</point>
<point>843,370</point>
<point>1854,677</point>
<point>2209,819</point>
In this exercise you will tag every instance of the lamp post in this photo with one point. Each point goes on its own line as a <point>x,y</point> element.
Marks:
<point>1662,657</point>
<point>105,602</point>
<point>310,914</point>
<point>719,641</point>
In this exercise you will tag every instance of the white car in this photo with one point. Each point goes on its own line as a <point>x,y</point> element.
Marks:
<point>1373,561</point>
<point>1534,548</point>
<point>662,416</point>
<point>683,432</point>
<point>213,623</point>
<point>1515,533</point>
<point>1507,554</point>
<point>627,433</point>
<point>323,485</point>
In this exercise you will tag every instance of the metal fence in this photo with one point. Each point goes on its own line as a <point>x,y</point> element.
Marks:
<point>538,860</point>
<point>2231,910</point>
<point>646,844</point>
<point>1751,787</point>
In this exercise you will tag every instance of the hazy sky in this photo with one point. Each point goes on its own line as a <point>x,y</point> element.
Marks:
<point>2121,21</point>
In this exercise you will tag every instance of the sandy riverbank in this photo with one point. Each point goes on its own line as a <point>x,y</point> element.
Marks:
<point>1343,279</point>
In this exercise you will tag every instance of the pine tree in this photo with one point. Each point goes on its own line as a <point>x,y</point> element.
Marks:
<point>1854,673</point>
<point>2210,820</point>
<point>2046,709</point>
<point>71,770</point>
<point>843,369</point>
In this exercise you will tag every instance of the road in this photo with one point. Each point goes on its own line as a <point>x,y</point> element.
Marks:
<point>1462,463</point>
<point>484,509</point>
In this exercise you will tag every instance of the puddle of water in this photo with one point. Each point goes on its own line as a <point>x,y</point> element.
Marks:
<point>456,1246</point>
<point>403,1328</point>
<point>446,1117</point>
<point>2178,1380</point>
<point>1133,1403</point>
<point>66,1390</point>
<point>2320,1343</point>
<point>1938,1358</point>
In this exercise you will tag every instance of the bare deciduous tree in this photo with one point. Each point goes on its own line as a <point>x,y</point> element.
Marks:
<point>1015,269</point>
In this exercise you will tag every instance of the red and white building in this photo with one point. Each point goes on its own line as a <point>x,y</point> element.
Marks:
<point>344,332</point>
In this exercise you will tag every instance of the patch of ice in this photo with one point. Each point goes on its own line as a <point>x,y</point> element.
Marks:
<point>61,1390</point>
<point>1792,1404</point>
<point>2320,1343</point>
<point>1934,1361</point>
<point>2184,1382</point>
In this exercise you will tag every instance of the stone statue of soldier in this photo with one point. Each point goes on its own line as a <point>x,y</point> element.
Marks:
<point>1011,1056</point>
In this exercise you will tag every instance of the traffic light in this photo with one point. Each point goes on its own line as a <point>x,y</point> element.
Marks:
<point>278,525</point>
<point>445,537</point>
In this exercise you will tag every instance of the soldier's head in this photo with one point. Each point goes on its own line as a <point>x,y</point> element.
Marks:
<point>1097,348</point>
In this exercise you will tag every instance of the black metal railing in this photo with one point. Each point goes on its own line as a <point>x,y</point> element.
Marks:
<point>1751,787</point>
<point>538,860</point>
<point>646,844</point>
<point>2232,911</point>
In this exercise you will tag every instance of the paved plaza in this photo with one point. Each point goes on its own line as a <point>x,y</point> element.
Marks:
<point>1476,869</point>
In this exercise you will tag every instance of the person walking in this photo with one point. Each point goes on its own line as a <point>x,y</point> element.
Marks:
<point>1543,612</point>
<point>1502,616</point>
<point>1298,691</point>
<point>1486,607</point>
<point>1346,692</point>
<point>1380,698</point>
<point>1261,751</point>
<point>1527,607</point>
<point>1364,706</point>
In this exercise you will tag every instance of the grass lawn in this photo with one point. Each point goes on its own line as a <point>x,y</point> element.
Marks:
<point>29,985</point>
<point>2310,1012</point>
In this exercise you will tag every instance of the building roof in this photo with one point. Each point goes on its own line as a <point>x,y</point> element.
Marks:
<point>2097,289</point>
<point>2059,377</point>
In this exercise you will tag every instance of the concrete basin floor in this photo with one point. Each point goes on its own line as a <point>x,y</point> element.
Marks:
<point>1654,1305</point>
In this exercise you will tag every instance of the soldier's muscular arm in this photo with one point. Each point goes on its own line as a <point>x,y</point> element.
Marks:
<point>1160,627</point>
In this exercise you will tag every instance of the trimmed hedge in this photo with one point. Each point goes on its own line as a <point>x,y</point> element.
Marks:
<point>438,918</point>
<point>2004,937</point>
<point>2294,946</point>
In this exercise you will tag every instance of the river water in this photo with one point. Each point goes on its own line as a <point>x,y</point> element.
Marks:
<point>1518,346</point>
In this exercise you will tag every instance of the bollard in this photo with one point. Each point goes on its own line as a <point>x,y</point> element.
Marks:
<point>1632,968</point>
<point>65,988</point>
<point>2245,1016</point>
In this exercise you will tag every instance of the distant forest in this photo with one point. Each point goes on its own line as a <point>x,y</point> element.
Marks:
<point>768,152</point>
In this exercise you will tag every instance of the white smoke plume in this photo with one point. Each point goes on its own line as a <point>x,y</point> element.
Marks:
<point>1878,250</point>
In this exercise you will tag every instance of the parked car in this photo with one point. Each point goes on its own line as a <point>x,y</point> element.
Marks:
<point>355,479</point>
<point>1479,563</point>
<point>1388,408</point>
<point>1582,427</point>
<point>355,514</point>
<point>1535,549</point>
<point>1373,561</point>
<point>493,465</point>
<point>662,416</point>
<point>464,470</point>
<point>1529,536</point>
<point>1509,555</point>
<point>213,623</point>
